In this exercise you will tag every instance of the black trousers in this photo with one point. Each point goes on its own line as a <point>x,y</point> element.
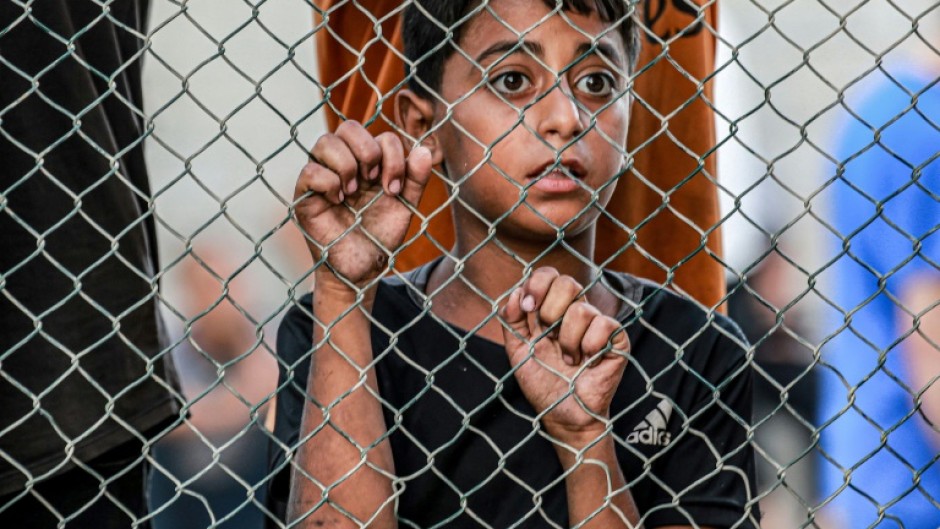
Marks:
<point>115,498</point>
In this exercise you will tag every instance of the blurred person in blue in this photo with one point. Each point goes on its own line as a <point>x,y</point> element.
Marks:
<point>880,402</point>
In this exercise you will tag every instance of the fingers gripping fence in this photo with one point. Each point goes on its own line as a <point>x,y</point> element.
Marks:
<point>478,349</point>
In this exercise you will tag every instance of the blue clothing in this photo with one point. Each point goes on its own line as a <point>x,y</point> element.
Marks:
<point>886,211</point>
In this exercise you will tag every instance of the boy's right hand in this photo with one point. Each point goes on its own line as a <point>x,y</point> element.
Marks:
<point>353,172</point>
<point>569,375</point>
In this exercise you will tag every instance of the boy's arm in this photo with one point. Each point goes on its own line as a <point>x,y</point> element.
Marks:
<point>596,478</point>
<point>596,484</point>
<point>587,352</point>
<point>344,464</point>
<point>350,201</point>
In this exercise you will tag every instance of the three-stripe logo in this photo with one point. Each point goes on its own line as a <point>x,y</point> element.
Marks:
<point>652,429</point>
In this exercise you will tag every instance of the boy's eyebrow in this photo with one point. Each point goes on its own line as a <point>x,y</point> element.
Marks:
<point>504,47</point>
<point>604,49</point>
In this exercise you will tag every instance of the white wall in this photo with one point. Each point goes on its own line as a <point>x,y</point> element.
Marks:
<point>232,102</point>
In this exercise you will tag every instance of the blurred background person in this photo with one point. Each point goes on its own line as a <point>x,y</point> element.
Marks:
<point>86,382</point>
<point>231,259</point>
<point>881,400</point>
<point>212,469</point>
<point>790,76</point>
<point>785,387</point>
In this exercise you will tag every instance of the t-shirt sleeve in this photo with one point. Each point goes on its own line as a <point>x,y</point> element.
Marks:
<point>706,476</point>
<point>294,349</point>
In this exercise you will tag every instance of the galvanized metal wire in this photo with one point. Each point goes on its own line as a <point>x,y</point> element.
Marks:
<point>233,106</point>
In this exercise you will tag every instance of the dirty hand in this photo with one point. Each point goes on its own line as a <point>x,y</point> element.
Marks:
<point>572,371</point>
<point>350,199</point>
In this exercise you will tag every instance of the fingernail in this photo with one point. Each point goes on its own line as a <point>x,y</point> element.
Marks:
<point>374,173</point>
<point>394,187</point>
<point>342,197</point>
<point>527,304</point>
<point>568,360</point>
<point>352,186</point>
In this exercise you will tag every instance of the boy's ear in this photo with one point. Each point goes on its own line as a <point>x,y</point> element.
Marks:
<point>415,115</point>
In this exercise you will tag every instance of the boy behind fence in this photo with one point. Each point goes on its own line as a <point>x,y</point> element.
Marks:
<point>512,382</point>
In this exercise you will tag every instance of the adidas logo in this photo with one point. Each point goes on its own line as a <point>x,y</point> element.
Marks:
<point>652,429</point>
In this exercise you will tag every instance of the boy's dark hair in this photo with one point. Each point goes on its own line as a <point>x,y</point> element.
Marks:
<point>426,23</point>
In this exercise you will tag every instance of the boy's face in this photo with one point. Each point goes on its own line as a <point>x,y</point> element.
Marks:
<point>553,98</point>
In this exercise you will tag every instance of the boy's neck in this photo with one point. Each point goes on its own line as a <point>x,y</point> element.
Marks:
<point>491,270</point>
<point>496,268</point>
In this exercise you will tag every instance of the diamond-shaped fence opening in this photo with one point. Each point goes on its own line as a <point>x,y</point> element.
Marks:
<point>493,263</point>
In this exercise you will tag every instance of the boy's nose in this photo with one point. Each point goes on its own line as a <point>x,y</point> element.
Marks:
<point>559,119</point>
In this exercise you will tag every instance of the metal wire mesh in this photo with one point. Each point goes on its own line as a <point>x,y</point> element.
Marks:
<point>125,126</point>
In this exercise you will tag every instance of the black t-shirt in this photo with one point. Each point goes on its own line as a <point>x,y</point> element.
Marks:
<point>79,325</point>
<point>466,443</point>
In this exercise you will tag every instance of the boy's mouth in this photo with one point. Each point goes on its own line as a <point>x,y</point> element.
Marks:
<point>557,177</point>
<point>563,169</point>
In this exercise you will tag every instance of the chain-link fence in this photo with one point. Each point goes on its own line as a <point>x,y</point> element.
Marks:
<point>163,362</point>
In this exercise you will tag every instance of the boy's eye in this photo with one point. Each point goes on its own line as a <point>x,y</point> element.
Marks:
<point>596,84</point>
<point>510,83</point>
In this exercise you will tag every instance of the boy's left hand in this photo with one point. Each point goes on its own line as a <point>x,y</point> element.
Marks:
<point>574,370</point>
